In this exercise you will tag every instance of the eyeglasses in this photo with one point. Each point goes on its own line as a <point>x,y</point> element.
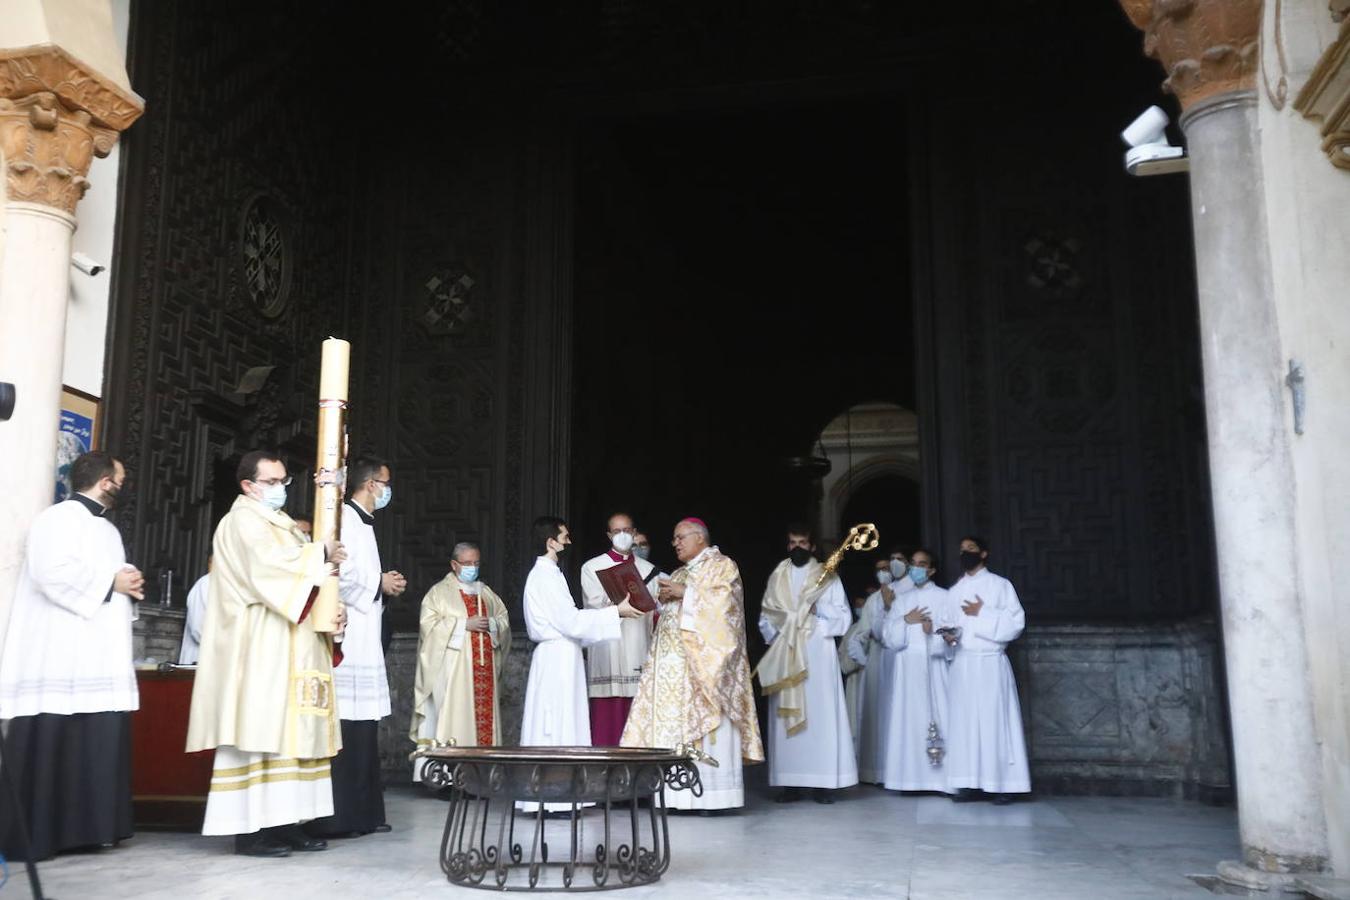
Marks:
<point>383,480</point>
<point>272,482</point>
<point>681,538</point>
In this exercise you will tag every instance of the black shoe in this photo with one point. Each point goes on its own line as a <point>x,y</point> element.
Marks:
<point>260,843</point>
<point>293,836</point>
<point>383,828</point>
<point>823,796</point>
<point>788,795</point>
<point>965,795</point>
<point>1001,799</point>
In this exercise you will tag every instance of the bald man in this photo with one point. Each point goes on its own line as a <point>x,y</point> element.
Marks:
<point>613,667</point>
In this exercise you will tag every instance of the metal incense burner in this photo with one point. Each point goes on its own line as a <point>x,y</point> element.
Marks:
<point>557,818</point>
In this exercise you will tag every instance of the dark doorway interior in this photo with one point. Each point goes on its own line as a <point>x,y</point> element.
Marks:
<point>741,278</point>
<point>892,504</point>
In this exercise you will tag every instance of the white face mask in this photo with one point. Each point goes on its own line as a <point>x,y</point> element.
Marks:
<point>898,568</point>
<point>273,495</point>
<point>884,576</point>
<point>623,541</point>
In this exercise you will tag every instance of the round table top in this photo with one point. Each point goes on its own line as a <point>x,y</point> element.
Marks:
<point>544,755</point>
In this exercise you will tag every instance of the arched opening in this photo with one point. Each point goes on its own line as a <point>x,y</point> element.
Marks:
<point>874,476</point>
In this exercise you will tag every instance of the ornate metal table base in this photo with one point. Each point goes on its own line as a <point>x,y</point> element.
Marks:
<point>556,818</point>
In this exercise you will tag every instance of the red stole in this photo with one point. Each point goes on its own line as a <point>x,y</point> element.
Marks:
<point>480,648</point>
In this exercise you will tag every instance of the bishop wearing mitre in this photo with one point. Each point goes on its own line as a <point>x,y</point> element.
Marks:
<point>463,641</point>
<point>695,688</point>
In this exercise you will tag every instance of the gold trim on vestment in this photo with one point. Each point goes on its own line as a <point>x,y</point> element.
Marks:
<point>790,681</point>
<point>272,778</point>
<point>288,763</point>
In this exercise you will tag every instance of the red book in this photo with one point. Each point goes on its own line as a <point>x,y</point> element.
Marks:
<point>625,579</point>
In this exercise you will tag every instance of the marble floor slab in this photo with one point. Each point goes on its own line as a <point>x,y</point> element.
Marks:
<point>871,843</point>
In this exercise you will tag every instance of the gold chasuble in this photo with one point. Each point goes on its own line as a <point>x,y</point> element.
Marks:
<point>263,694</point>
<point>698,674</point>
<point>783,670</point>
<point>455,694</point>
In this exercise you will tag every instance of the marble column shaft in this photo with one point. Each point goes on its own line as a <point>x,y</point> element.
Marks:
<point>34,279</point>
<point>1280,815</point>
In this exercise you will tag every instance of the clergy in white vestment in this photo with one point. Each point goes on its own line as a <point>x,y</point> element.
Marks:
<point>878,676</point>
<point>196,615</point>
<point>463,639</point>
<point>696,686</point>
<point>556,713</point>
<point>67,685</point>
<point>918,696</point>
<point>852,660</point>
<point>263,697</point>
<point>985,747</point>
<point>361,684</point>
<point>810,745</point>
<point>614,667</point>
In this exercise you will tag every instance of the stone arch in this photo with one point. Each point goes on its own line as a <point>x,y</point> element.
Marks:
<point>865,442</point>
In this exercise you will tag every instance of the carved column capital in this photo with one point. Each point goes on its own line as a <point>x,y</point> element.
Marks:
<point>1207,47</point>
<point>56,115</point>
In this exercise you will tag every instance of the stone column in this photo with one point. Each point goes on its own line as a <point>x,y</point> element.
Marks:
<point>1209,49</point>
<point>56,113</point>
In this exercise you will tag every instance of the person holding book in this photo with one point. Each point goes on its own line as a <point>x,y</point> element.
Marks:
<point>613,667</point>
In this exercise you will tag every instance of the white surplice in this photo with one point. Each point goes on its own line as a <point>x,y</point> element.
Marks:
<point>852,661</point>
<point>192,625</point>
<point>68,648</point>
<point>918,693</point>
<point>360,681</point>
<point>614,668</point>
<point>878,677</point>
<point>556,714</point>
<point>821,754</point>
<point>985,745</point>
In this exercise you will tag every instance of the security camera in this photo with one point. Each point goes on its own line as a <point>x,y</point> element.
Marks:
<point>86,265</point>
<point>6,401</point>
<point>1150,153</point>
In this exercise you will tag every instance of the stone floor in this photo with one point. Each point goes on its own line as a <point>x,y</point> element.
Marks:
<point>869,844</point>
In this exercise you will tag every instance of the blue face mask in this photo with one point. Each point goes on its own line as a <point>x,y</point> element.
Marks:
<point>918,575</point>
<point>468,574</point>
<point>383,500</point>
<point>274,495</point>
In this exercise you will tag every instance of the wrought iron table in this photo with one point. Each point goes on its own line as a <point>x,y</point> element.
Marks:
<point>502,800</point>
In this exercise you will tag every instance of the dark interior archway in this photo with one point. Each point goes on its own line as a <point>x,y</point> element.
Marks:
<point>892,504</point>
<point>739,276</point>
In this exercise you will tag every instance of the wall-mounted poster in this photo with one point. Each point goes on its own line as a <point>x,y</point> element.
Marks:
<point>78,434</point>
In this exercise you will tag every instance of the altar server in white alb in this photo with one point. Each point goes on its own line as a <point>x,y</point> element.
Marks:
<point>613,668</point>
<point>852,662</point>
<point>360,681</point>
<point>555,694</point>
<point>877,678</point>
<point>985,748</point>
<point>918,695</point>
<point>810,745</point>
<point>190,649</point>
<point>67,685</point>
